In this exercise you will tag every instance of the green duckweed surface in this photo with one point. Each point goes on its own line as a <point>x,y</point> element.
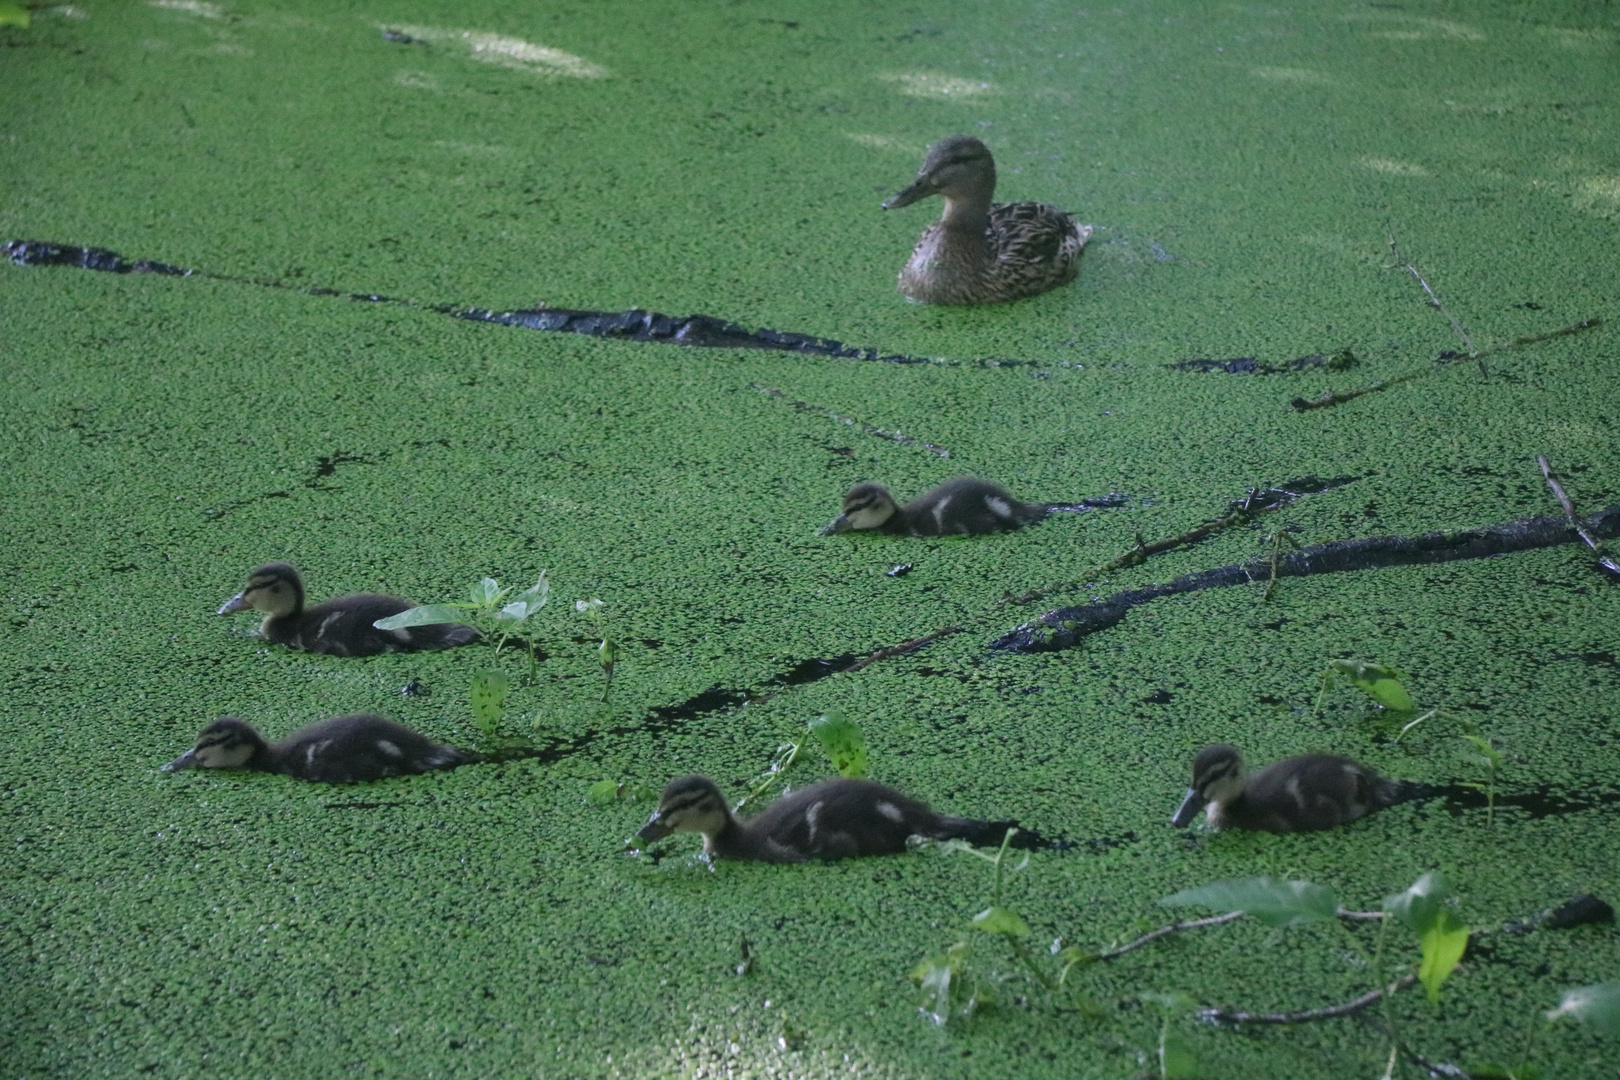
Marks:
<point>1245,167</point>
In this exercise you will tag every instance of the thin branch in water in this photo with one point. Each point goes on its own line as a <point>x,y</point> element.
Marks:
<point>1329,1012</point>
<point>1605,563</point>
<point>1462,331</point>
<point>901,649</point>
<point>1173,928</point>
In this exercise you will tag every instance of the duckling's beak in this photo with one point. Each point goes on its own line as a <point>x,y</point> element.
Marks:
<point>186,760</point>
<point>1188,809</point>
<point>836,525</point>
<point>655,829</point>
<point>919,189</point>
<point>239,602</point>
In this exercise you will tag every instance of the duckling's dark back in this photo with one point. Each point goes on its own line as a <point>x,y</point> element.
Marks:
<point>343,627</point>
<point>840,819</point>
<point>349,749</point>
<point>966,506</point>
<point>1310,792</point>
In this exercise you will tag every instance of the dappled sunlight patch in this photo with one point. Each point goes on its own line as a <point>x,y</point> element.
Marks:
<point>1416,27</point>
<point>1569,38</point>
<point>1599,195</point>
<point>1392,167</point>
<point>200,8</point>
<point>510,52</point>
<point>1302,76</point>
<point>937,85</point>
<point>417,80</point>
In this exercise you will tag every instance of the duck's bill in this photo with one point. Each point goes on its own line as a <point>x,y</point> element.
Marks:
<point>655,829</point>
<point>186,760</point>
<point>836,525</point>
<point>918,190</point>
<point>1188,809</point>
<point>236,603</point>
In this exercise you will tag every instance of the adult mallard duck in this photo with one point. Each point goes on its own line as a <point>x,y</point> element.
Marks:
<point>1298,794</point>
<point>341,627</point>
<point>961,507</point>
<point>836,819</point>
<point>979,252</point>
<point>343,750</point>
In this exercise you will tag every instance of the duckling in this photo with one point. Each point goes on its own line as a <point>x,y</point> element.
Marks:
<point>342,750</point>
<point>835,819</point>
<point>960,507</point>
<point>979,253</point>
<point>1298,794</point>
<point>342,627</point>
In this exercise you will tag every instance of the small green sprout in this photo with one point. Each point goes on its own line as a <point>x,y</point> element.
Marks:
<point>606,791</point>
<point>1491,758</point>
<point>487,608</point>
<point>786,755</point>
<point>607,653</point>
<point>1381,682</point>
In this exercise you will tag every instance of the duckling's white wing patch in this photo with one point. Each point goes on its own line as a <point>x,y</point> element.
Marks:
<point>891,811</point>
<point>315,748</point>
<point>811,818</point>
<point>939,513</point>
<point>389,748</point>
<point>998,506</point>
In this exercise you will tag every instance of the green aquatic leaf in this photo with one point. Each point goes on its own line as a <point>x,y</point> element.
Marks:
<point>487,591</point>
<point>843,743</point>
<point>14,15</point>
<point>1597,1006</point>
<point>602,792</point>
<point>426,615</point>
<point>1275,903</point>
<point>996,920</point>
<point>1443,946</point>
<point>1381,682</point>
<point>1419,907</point>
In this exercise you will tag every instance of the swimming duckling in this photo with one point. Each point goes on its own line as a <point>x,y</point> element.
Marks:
<point>960,507</point>
<point>835,819</point>
<point>341,627</point>
<point>342,750</point>
<point>1299,794</point>
<point>979,253</point>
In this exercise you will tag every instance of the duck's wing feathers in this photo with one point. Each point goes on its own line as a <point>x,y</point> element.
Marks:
<point>343,627</point>
<point>842,819</point>
<point>350,749</point>
<point>1038,234</point>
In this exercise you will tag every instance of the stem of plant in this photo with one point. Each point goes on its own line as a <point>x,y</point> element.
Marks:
<point>995,893</point>
<point>1022,952</point>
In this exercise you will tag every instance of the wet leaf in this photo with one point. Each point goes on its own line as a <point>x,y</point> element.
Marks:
<point>1597,1006</point>
<point>1419,907</point>
<point>843,743</point>
<point>1379,681</point>
<point>602,792</point>
<point>997,920</point>
<point>487,591</point>
<point>426,615</point>
<point>1443,945</point>
<point>1275,903</point>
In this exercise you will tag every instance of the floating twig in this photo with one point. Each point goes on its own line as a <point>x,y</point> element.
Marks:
<point>902,649</point>
<point>1329,1012</point>
<point>1067,627</point>
<point>1255,501</point>
<point>870,429</point>
<point>1462,331</point>
<point>1213,920</point>
<point>1448,357</point>
<point>1605,563</point>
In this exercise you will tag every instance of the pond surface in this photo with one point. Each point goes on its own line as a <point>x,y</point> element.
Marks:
<point>1267,185</point>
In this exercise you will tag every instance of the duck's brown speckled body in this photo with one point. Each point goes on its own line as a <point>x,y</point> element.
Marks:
<point>343,750</point>
<point>981,252</point>
<point>1298,794</point>
<point>836,819</point>
<point>341,627</point>
<point>962,507</point>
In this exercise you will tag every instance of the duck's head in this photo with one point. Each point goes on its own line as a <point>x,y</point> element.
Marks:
<point>867,506</point>
<point>274,588</point>
<point>688,804</point>
<point>1217,777</point>
<point>959,167</point>
<point>227,743</point>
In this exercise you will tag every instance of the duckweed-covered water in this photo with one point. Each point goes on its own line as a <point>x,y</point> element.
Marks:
<point>1246,168</point>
